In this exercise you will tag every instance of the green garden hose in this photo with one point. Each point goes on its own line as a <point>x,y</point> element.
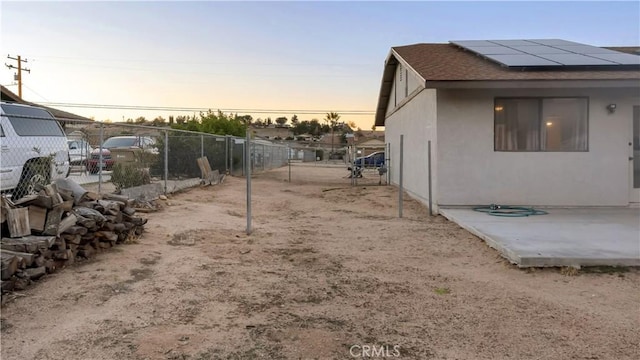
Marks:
<point>508,211</point>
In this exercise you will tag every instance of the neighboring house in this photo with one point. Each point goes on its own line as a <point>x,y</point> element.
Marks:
<point>368,146</point>
<point>8,96</point>
<point>369,134</point>
<point>272,132</point>
<point>304,137</point>
<point>538,132</point>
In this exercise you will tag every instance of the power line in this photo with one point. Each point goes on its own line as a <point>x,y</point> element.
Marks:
<point>183,109</point>
<point>279,74</point>
<point>203,62</point>
<point>35,92</point>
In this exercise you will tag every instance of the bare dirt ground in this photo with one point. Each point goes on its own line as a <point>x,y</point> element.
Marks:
<point>328,267</point>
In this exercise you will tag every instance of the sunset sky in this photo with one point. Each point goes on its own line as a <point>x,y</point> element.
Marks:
<point>277,57</point>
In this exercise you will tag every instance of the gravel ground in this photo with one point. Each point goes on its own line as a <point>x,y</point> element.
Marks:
<point>329,272</point>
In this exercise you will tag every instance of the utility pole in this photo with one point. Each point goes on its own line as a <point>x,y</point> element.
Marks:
<point>18,76</point>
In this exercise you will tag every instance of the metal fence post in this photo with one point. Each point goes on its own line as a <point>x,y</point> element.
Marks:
<point>388,155</point>
<point>400,189</point>
<point>201,145</point>
<point>355,150</point>
<point>248,172</point>
<point>244,161</point>
<point>352,160</point>
<point>429,173</point>
<point>289,162</point>
<point>232,141</point>
<point>166,159</point>
<point>226,153</point>
<point>100,159</point>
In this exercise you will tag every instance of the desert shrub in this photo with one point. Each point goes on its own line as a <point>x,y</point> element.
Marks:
<point>126,175</point>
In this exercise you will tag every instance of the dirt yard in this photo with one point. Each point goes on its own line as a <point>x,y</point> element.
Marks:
<point>329,272</point>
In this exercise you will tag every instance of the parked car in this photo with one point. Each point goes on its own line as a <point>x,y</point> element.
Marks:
<point>145,143</point>
<point>79,151</point>
<point>94,165</point>
<point>119,148</point>
<point>374,160</point>
<point>34,149</point>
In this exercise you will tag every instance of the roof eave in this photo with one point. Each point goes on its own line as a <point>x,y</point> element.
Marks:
<point>390,64</point>
<point>533,83</point>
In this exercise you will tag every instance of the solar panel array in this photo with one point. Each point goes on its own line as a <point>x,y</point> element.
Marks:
<point>546,53</point>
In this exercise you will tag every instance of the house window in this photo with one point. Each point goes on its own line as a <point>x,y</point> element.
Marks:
<point>541,124</point>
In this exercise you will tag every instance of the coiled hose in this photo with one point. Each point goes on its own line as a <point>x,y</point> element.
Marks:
<point>508,211</point>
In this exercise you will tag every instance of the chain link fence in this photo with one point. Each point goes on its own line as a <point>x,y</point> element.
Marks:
<point>306,155</point>
<point>109,157</point>
<point>368,166</point>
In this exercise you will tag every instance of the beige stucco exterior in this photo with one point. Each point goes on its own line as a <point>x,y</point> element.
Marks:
<point>416,121</point>
<point>471,172</point>
<point>467,171</point>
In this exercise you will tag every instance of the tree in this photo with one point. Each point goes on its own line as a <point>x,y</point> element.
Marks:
<point>181,119</point>
<point>315,128</point>
<point>281,120</point>
<point>332,120</point>
<point>221,124</point>
<point>294,120</point>
<point>268,121</point>
<point>258,122</point>
<point>140,120</point>
<point>246,119</point>
<point>300,127</point>
<point>158,121</point>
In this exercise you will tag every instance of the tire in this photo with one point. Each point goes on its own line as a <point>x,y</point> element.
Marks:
<point>31,177</point>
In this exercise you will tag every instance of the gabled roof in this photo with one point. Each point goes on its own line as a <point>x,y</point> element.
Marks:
<point>447,62</point>
<point>438,63</point>
<point>9,96</point>
<point>370,142</point>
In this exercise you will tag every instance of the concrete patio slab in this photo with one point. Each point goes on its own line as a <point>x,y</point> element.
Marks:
<point>564,237</point>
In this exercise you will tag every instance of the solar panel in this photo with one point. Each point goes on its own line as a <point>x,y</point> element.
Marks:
<point>620,58</point>
<point>540,49</point>
<point>585,49</point>
<point>546,53</point>
<point>553,42</point>
<point>512,42</point>
<point>522,60</point>
<point>575,59</point>
<point>493,50</point>
<point>466,43</point>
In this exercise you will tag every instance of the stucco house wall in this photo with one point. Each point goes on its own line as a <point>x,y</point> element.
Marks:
<point>405,85</point>
<point>470,172</point>
<point>416,120</point>
<point>447,95</point>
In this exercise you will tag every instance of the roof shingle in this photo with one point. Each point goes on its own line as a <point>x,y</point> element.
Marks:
<point>447,62</point>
